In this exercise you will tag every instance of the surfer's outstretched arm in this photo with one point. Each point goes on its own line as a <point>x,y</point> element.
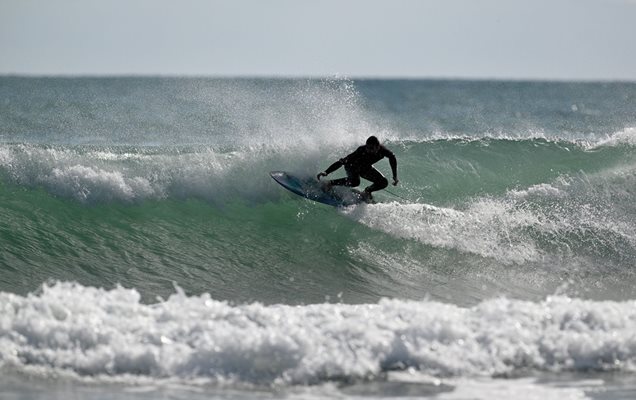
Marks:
<point>331,169</point>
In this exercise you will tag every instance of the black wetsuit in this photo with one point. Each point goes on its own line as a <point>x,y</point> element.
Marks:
<point>360,164</point>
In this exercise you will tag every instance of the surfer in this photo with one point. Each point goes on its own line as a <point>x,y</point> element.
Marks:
<point>359,164</point>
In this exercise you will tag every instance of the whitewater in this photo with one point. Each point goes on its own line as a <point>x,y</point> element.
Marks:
<point>145,252</point>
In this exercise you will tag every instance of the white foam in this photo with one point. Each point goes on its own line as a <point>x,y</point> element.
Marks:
<point>484,228</point>
<point>82,183</point>
<point>541,190</point>
<point>518,389</point>
<point>109,333</point>
<point>626,136</point>
<point>102,175</point>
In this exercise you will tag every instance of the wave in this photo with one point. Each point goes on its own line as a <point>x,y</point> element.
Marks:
<point>431,168</point>
<point>110,335</point>
<point>513,217</point>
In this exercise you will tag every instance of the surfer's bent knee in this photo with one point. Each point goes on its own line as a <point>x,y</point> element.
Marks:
<point>382,183</point>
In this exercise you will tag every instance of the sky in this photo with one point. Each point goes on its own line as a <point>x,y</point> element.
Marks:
<point>482,39</point>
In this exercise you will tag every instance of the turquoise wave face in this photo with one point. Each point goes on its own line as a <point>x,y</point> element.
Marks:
<point>510,216</point>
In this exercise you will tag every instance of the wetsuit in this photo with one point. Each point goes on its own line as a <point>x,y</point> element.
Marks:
<point>360,164</point>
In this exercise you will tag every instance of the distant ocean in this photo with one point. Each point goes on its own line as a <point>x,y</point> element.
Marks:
<point>146,253</point>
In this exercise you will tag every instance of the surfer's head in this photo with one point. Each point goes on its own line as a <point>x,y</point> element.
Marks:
<point>373,144</point>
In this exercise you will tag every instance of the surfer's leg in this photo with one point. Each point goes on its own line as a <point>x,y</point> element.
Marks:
<point>352,179</point>
<point>375,176</point>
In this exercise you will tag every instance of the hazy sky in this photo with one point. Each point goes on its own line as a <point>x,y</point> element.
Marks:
<point>531,39</point>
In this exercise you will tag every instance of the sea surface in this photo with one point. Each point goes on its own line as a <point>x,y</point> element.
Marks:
<point>146,253</point>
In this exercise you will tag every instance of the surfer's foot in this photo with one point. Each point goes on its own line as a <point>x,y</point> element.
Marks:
<point>366,196</point>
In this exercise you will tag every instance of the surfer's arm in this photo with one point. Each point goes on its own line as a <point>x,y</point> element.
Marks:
<point>393,162</point>
<point>348,160</point>
<point>333,167</point>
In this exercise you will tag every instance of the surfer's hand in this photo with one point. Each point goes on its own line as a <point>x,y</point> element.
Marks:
<point>395,181</point>
<point>320,175</point>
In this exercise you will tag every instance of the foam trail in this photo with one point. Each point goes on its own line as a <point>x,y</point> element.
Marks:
<point>483,229</point>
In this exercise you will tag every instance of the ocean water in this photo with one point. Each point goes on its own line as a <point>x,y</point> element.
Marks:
<point>146,253</point>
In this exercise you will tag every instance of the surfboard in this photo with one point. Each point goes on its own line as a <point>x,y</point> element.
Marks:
<point>312,189</point>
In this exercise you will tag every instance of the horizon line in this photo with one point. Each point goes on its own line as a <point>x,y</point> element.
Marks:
<point>336,76</point>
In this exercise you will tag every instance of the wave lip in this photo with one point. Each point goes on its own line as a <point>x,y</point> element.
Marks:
<point>108,333</point>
